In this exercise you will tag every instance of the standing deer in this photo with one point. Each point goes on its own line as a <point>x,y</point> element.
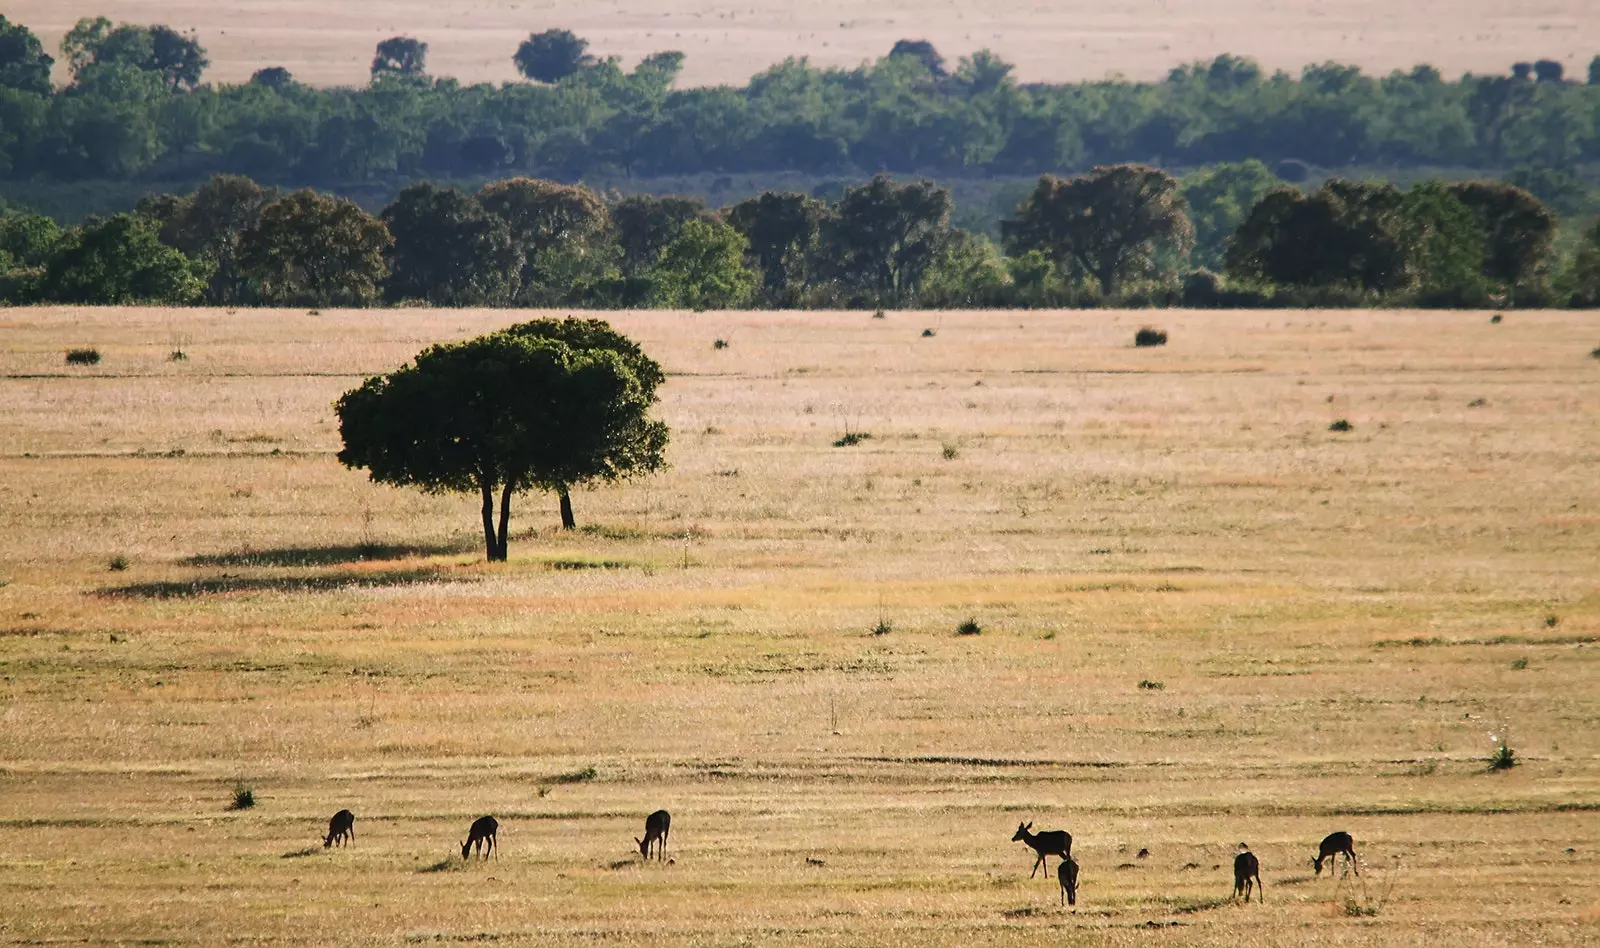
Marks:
<point>341,829</point>
<point>656,827</point>
<point>1050,843</point>
<point>1245,869</point>
<point>481,835</point>
<point>1067,872</point>
<point>1335,845</point>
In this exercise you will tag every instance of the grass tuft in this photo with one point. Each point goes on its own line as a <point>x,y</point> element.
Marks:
<point>969,627</point>
<point>1503,758</point>
<point>83,356</point>
<point>177,355</point>
<point>851,439</point>
<point>720,344</point>
<point>1341,425</point>
<point>244,797</point>
<point>1148,685</point>
<point>928,334</point>
<point>950,451</point>
<point>118,563</point>
<point>882,628</point>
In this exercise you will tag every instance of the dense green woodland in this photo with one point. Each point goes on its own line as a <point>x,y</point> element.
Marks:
<point>137,107</point>
<point>1236,232</point>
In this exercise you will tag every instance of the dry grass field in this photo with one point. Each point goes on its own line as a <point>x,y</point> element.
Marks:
<point>1206,618</point>
<point>330,42</point>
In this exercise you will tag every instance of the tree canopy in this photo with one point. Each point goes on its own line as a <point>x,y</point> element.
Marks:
<point>24,65</point>
<point>311,250</point>
<point>544,405</point>
<point>552,55</point>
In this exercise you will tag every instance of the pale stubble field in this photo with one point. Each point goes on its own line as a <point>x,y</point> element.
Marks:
<point>1336,623</point>
<point>330,42</point>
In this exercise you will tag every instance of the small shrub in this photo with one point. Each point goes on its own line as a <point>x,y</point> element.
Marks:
<point>851,439</point>
<point>928,334</point>
<point>950,451</point>
<point>1149,685</point>
<point>118,563</point>
<point>882,628</point>
<point>1551,622</point>
<point>177,355</point>
<point>720,344</point>
<point>1477,403</point>
<point>1341,425</point>
<point>1519,664</point>
<point>1594,353</point>
<point>969,627</point>
<point>83,356</point>
<point>244,797</point>
<point>1495,319</point>
<point>1149,336</point>
<point>878,315</point>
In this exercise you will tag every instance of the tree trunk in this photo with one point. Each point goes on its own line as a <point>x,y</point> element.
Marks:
<point>494,549</point>
<point>505,519</point>
<point>567,523</point>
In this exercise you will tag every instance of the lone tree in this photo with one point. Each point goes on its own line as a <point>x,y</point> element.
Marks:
<point>552,55</point>
<point>543,405</point>
<point>24,65</point>
<point>401,56</point>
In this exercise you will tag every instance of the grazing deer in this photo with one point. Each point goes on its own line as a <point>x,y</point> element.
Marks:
<point>1067,872</point>
<point>656,827</point>
<point>1050,843</point>
<point>481,835</point>
<point>341,829</point>
<point>1334,846</point>
<point>1245,869</point>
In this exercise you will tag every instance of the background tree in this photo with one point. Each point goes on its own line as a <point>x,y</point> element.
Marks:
<point>703,268</point>
<point>498,415</point>
<point>552,56</point>
<point>1343,234</point>
<point>1518,230</point>
<point>120,261</point>
<point>884,236</point>
<point>24,65</point>
<point>633,444</point>
<point>401,56</point>
<point>206,226</point>
<point>923,52</point>
<point>272,77</point>
<point>1586,268</point>
<point>1218,198</point>
<point>312,250</point>
<point>1113,224</point>
<point>643,225</point>
<point>28,239</point>
<point>448,250</point>
<point>1445,244</point>
<point>559,232</point>
<point>177,59</point>
<point>969,273</point>
<point>784,232</point>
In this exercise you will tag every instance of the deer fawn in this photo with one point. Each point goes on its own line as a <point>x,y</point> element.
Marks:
<point>1334,846</point>
<point>341,829</point>
<point>656,827</point>
<point>481,835</point>
<point>1247,872</point>
<point>1050,843</point>
<point>1067,872</point>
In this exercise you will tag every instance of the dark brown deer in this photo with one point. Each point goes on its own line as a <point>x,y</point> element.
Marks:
<point>1334,846</point>
<point>481,835</point>
<point>656,827</point>
<point>1247,872</point>
<point>1067,872</point>
<point>341,829</point>
<point>1049,843</point>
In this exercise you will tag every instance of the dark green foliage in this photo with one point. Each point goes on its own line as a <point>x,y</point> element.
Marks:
<point>643,226</point>
<point>1148,685</point>
<point>448,250</point>
<point>83,357</point>
<point>560,233</point>
<point>544,405</point>
<point>852,438</point>
<point>1341,425</point>
<point>1217,199</point>
<point>311,250</point>
<point>1113,225</point>
<point>119,261</point>
<point>784,232</point>
<point>401,56</point>
<point>24,65</point>
<point>207,226</point>
<point>923,52</point>
<point>1147,336</point>
<point>1517,229</point>
<point>1503,758</point>
<point>27,240</point>
<point>1344,234</point>
<point>969,627</point>
<point>883,237</point>
<point>1586,268</point>
<point>552,56</point>
<point>703,268</point>
<point>178,60</point>
<point>244,797</point>
<point>275,78</point>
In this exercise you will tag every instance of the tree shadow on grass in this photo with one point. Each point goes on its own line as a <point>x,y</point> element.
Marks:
<point>325,555</point>
<point>302,853</point>
<point>448,864</point>
<point>222,585</point>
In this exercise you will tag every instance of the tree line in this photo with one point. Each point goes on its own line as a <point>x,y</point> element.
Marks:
<point>1231,235</point>
<point>137,106</point>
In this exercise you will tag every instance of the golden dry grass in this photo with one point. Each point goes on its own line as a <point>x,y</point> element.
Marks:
<point>330,42</point>
<point>1337,623</point>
